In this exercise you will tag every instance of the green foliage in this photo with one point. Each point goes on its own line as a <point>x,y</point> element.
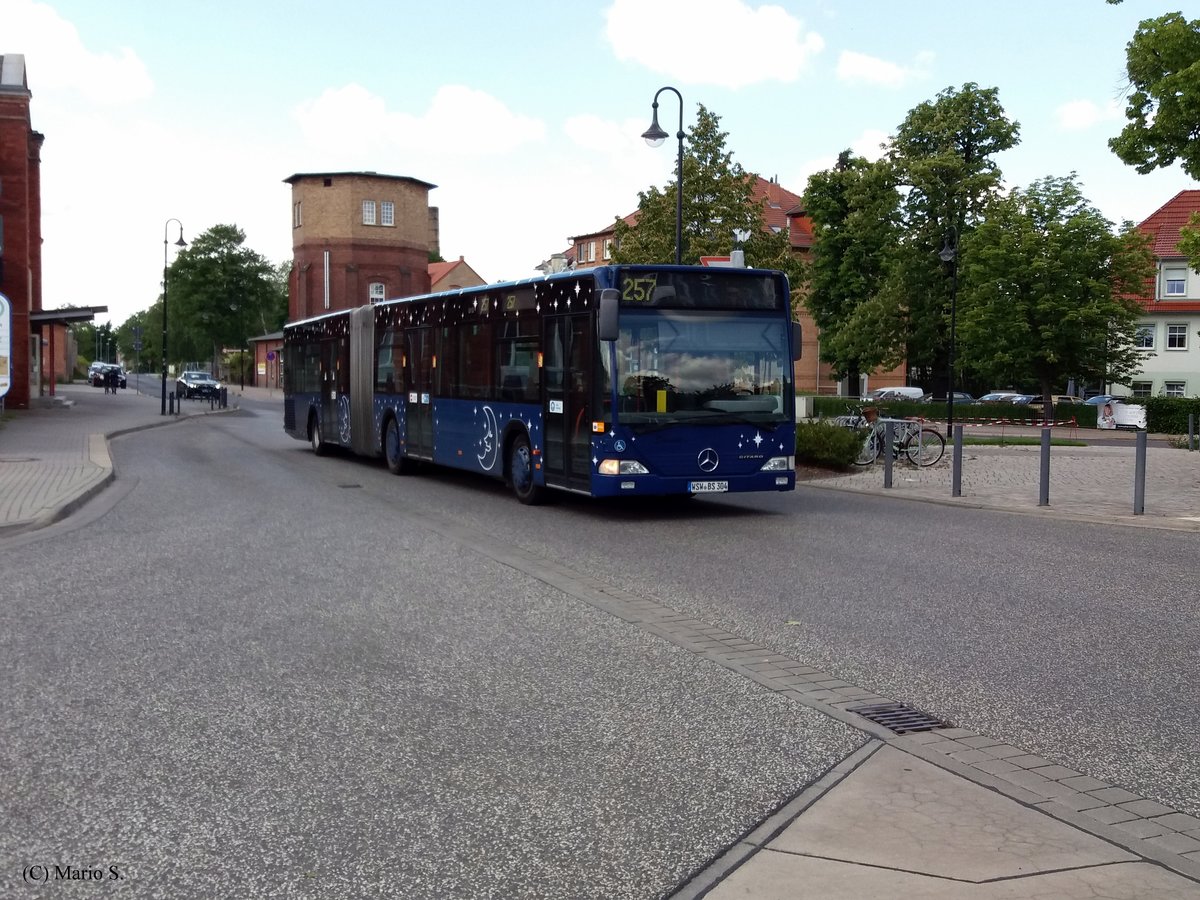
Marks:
<point>1164,100</point>
<point>825,444</point>
<point>880,227</point>
<point>1045,290</point>
<point>220,293</point>
<point>1084,414</point>
<point>717,200</point>
<point>1169,415</point>
<point>149,358</point>
<point>854,209</point>
<point>95,342</point>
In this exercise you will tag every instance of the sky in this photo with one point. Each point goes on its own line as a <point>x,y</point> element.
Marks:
<point>527,116</point>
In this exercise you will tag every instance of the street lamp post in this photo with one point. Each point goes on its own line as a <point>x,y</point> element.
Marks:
<point>179,243</point>
<point>654,136</point>
<point>949,255</point>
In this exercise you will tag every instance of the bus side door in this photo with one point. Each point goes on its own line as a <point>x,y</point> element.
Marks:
<point>566,386</point>
<point>418,379</point>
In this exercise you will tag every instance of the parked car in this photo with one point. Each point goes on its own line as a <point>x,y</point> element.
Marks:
<point>880,395</point>
<point>97,371</point>
<point>196,384</point>
<point>959,397</point>
<point>1101,399</point>
<point>1058,400</point>
<point>998,397</point>
<point>1020,399</point>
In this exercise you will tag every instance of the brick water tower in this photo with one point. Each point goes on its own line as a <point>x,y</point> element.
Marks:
<point>358,237</point>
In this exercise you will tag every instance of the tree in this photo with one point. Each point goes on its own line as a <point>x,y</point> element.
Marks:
<point>717,200</point>
<point>938,177</point>
<point>1163,64</point>
<point>1048,291</point>
<point>854,208</point>
<point>222,293</point>
<point>944,158</point>
<point>147,324</point>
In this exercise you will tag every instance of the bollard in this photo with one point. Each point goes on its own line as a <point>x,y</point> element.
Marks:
<point>1139,475</point>
<point>956,463</point>
<point>1044,484</point>
<point>171,403</point>
<point>889,435</point>
<point>1191,432</point>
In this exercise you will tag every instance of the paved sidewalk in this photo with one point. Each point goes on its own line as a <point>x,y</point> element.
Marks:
<point>54,459</point>
<point>1093,483</point>
<point>944,813</point>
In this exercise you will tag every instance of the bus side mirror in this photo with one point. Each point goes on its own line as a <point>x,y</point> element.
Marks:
<point>797,340</point>
<point>608,329</point>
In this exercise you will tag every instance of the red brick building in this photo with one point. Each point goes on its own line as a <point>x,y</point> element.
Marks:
<point>20,227</point>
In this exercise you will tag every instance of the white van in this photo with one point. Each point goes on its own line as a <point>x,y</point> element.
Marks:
<point>879,395</point>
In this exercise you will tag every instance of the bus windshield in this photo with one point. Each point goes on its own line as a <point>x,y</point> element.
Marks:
<point>676,366</point>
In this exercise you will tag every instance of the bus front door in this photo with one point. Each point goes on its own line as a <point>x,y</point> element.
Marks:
<point>566,379</point>
<point>419,379</point>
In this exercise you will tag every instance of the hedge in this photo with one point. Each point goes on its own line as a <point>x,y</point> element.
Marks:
<point>1169,415</point>
<point>825,444</point>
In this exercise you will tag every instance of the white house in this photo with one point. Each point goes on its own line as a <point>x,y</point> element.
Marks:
<point>1169,331</point>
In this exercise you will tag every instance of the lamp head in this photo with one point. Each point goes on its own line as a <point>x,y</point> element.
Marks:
<point>654,135</point>
<point>948,251</point>
<point>181,242</point>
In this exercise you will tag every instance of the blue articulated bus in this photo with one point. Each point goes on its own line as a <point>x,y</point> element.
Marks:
<point>614,381</point>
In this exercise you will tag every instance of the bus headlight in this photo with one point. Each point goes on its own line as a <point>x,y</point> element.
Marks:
<point>622,467</point>
<point>779,464</point>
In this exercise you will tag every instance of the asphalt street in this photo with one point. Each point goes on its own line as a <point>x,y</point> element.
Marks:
<point>344,701</point>
<point>247,671</point>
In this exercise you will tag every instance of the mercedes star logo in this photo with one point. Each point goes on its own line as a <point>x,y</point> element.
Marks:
<point>708,460</point>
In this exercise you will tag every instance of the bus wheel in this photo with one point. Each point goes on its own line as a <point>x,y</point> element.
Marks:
<point>314,435</point>
<point>397,462</point>
<point>520,468</point>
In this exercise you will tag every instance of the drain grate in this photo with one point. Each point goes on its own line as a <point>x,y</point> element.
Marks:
<point>900,719</point>
<point>350,485</point>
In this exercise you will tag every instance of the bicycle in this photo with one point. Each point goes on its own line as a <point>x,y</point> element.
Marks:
<point>921,444</point>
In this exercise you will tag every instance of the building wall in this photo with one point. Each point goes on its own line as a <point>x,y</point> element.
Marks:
<point>20,206</point>
<point>1172,298</point>
<point>1168,367</point>
<point>330,239</point>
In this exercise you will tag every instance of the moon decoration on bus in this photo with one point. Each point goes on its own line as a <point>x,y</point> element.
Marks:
<point>488,445</point>
<point>343,413</point>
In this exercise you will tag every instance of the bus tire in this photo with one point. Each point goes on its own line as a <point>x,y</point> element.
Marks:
<point>397,462</point>
<point>314,435</point>
<point>520,472</point>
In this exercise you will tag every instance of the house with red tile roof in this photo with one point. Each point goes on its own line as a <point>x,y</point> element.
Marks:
<point>782,211</point>
<point>449,276</point>
<point>1169,330</point>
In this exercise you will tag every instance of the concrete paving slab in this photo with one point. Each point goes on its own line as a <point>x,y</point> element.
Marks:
<point>781,876</point>
<point>899,812</point>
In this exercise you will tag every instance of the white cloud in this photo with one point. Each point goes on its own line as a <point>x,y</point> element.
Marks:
<point>858,68</point>
<point>58,60</point>
<point>350,123</point>
<point>871,144</point>
<point>1080,115</point>
<point>867,145</point>
<point>722,42</point>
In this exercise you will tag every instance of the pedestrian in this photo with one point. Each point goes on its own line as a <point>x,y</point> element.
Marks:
<point>110,380</point>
